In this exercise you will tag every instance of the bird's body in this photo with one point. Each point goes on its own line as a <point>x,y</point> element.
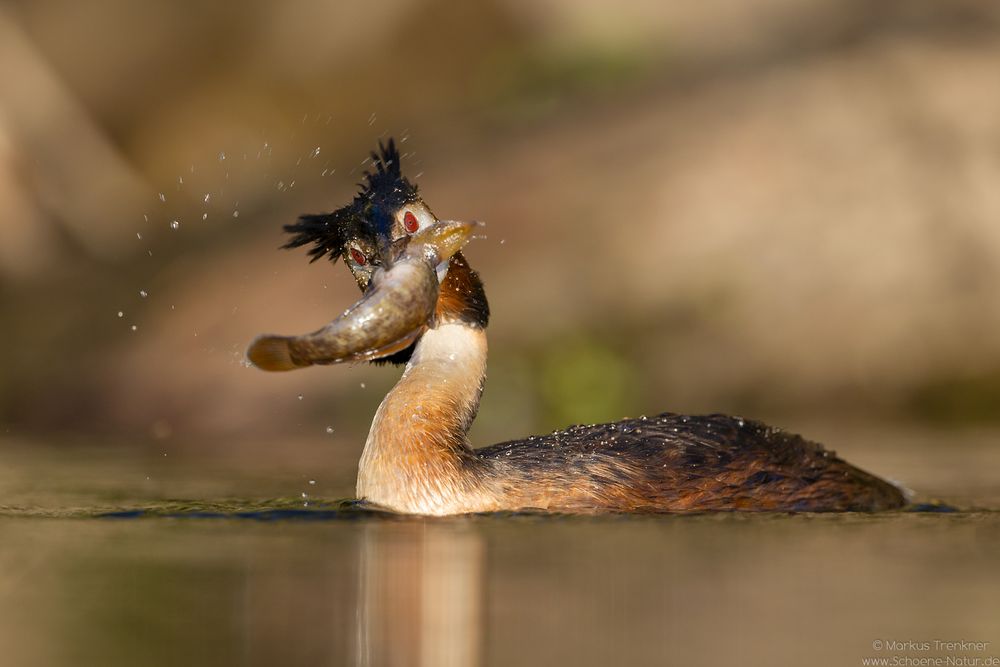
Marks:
<point>678,463</point>
<point>418,459</point>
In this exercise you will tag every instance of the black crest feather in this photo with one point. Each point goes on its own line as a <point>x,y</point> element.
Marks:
<point>322,230</point>
<point>384,189</point>
<point>388,174</point>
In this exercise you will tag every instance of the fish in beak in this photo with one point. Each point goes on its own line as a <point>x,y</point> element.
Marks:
<point>395,310</point>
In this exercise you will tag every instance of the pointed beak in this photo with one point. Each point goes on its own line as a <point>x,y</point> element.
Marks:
<point>394,312</point>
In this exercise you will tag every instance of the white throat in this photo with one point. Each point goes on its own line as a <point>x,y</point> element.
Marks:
<point>417,456</point>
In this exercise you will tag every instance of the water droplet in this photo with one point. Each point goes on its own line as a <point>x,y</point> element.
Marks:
<point>163,197</point>
<point>502,241</point>
<point>134,327</point>
<point>143,293</point>
<point>204,216</point>
<point>180,180</point>
<point>312,482</point>
<point>362,385</point>
<point>371,119</point>
<point>236,214</point>
<point>300,397</point>
<point>305,495</point>
<point>138,236</point>
<point>222,156</point>
<point>315,151</point>
<point>121,314</point>
<point>174,224</point>
<point>329,429</point>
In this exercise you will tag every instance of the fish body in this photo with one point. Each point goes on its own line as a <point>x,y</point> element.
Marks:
<point>396,309</point>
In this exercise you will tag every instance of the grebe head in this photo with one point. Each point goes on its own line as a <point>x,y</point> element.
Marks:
<point>399,254</point>
<point>375,228</point>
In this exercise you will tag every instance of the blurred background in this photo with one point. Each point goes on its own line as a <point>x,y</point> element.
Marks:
<point>787,211</point>
<point>783,210</point>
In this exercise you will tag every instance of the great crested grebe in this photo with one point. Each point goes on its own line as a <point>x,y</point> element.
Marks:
<point>423,306</point>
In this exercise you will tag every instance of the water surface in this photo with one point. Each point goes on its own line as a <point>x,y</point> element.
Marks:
<point>101,566</point>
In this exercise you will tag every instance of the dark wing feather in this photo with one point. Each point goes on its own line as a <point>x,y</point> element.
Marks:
<point>676,462</point>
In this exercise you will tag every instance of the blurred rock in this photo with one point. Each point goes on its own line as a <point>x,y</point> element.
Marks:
<point>67,172</point>
<point>771,208</point>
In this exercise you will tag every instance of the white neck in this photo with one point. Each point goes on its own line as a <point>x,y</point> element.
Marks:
<point>417,457</point>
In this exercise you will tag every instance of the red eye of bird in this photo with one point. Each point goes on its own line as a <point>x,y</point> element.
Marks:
<point>410,223</point>
<point>358,257</point>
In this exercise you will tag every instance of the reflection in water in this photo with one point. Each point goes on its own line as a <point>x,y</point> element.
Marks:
<point>698,591</point>
<point>420,594</point>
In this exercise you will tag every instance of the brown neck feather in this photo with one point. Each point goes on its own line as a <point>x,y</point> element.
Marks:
<point>417,457</point>
<point>462,297</point>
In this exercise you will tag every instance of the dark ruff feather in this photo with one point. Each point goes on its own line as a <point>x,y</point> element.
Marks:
<point>369,215</point>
